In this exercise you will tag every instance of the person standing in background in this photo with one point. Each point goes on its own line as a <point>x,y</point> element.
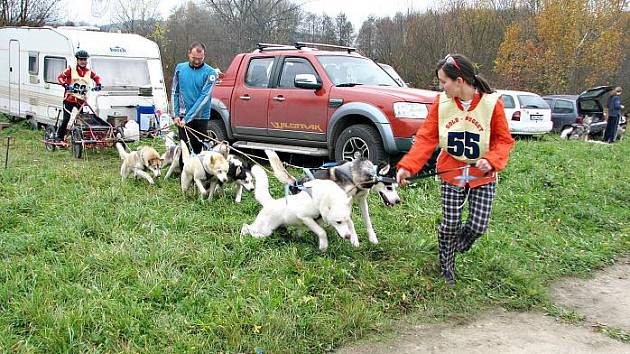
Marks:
<point>614,113</point>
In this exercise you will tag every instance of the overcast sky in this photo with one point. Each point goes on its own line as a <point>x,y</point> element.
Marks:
<point>356,10</point>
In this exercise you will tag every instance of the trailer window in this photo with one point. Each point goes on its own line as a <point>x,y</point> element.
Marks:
<point>33,63</point>
<point>122,72</point>
<point>53,66</point>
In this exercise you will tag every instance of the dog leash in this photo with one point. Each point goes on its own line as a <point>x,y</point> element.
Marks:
<point>463,179</point>
<point>190,148</point>
<point>248,156</point>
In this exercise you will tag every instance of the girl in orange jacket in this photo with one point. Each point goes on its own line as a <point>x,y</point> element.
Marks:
<point>467,121</point>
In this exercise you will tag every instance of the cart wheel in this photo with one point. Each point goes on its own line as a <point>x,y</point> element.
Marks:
<point>49,138</point>
<point>77,146</point>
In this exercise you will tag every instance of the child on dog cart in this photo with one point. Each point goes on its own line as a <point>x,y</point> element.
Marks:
<point>87,129</point>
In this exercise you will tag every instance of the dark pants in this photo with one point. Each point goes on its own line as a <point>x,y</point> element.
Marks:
<point>196,140</point>
<point>611,129</point>
<point>452,235</point>
<point>67,110</point>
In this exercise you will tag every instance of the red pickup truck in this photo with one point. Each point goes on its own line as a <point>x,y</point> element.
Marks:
<point>303,100</point>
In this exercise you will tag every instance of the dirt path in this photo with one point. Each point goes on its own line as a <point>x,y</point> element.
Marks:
<point>603,300</point>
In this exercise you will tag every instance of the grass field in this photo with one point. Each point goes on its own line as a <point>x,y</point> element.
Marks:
<point>91,263</point>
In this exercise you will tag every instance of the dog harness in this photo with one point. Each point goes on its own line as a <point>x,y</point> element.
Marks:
<point>208,174</point>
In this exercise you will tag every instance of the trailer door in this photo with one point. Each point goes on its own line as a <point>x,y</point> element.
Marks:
<point>14,77</point>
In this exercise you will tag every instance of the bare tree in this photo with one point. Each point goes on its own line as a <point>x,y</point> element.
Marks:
<point>28,12</point>
<point>251,21</point>
<point>136,16</point>
<point>344,30</point>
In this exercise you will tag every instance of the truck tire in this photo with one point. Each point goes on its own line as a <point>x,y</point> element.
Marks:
<point>360,140</point>
<point>216,130</point>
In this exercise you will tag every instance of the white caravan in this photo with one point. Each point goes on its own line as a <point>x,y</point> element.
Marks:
<point>31,58</point>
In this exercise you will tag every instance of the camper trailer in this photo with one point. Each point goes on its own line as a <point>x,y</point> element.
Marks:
<point>129,65</point>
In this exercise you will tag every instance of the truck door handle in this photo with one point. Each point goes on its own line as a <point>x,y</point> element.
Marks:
<point>245,97</point>
<point>278,98</point>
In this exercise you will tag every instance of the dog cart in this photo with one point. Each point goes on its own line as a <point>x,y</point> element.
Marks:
<point>86,129</point>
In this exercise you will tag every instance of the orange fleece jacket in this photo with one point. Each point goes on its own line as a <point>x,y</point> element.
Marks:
<point>427,138</point>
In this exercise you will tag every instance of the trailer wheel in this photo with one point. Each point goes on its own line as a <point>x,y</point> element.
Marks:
<point>49,138</point>
<point>77,145</point>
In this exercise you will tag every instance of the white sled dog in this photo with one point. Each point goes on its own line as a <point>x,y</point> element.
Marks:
<point>321,200</point>
<point>138,162</point>
<point>202,168</point>
<point>357,178</point>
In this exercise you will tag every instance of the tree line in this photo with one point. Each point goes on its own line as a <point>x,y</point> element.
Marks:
<point>543,46</point>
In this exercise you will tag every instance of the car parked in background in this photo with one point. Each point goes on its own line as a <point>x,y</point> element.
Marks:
<point>392,72</point>
<point>526,112</point>
<point>570,109</point>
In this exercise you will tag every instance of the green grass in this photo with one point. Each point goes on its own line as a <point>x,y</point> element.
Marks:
<point>94,264</point>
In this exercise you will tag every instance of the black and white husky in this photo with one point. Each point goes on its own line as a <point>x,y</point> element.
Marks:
<point>357,178</point>
<point>240,174</point>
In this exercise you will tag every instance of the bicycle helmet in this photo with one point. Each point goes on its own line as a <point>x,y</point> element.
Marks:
<point>81,54</point>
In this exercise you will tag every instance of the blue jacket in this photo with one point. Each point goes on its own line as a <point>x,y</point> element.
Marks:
<point>614,106</point>
<point>192,91</point>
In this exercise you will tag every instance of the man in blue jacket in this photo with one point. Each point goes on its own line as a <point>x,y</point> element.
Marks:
<point>614,113</point>
<point>191,95</point>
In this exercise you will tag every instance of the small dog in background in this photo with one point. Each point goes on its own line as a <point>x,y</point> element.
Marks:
<point>171,155</point>
<point>320,201</point>
<point>621,129</point>
<point>138,162</point>
<point>201,168</point>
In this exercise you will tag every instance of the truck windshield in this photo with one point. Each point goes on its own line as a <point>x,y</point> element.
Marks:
<point>350,71</point>
<point>122,72</point>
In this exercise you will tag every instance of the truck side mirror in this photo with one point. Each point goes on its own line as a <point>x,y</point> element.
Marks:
<point>307,81</point>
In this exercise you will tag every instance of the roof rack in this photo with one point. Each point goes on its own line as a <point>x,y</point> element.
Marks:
<point>300,45</point>
<point>272,46</point>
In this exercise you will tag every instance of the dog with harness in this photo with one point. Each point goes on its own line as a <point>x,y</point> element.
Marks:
<point>206,166</point>
<point>139,162</point>
<point>357,178</point>
<point>320,201</point>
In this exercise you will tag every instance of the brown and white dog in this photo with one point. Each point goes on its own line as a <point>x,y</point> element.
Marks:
<point>138,162</point>
<point>202,168</point>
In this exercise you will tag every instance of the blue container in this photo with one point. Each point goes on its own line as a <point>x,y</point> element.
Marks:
<point>146,117</point>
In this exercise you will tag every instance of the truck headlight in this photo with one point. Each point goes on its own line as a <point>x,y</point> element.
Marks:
<point>410,110</point>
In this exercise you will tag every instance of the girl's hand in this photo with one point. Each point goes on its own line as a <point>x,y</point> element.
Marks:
<point>401,177</point>
<point>484,165</point>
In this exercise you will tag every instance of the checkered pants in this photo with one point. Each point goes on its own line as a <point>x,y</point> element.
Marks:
<point>452,235</point>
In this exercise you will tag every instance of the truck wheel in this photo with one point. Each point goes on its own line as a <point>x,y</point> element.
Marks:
<point>77,145</point>
<point>360,140</point>
<point>216,130</point>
